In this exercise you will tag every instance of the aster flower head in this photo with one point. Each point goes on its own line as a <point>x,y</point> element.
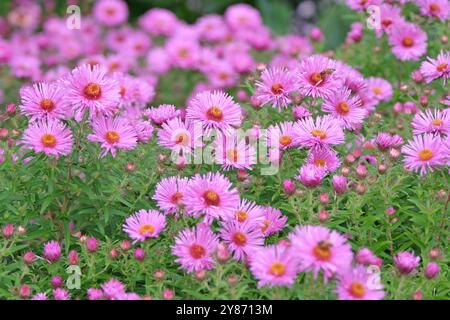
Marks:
<point>184,53</point>
<point>169,194</point>
<point>242,16</point>
<point>432,121</point>
<point>274,221</point>
<point>424,153</point>
<point>89,88</point>
<point>380,88</point>
<point>111,12</point>
<point>358,284</point>
<point>40,296</point>
<point>52,251</point>
<point>49,136</point>
<point>214,110</point>
<point>406,262</point>
<point>324,157</point>
<point>274,266</point>
<point>113,288</point>
<point>144,224</point>
<point>233,151</point>
<point>61,294</point>
<point>389,16</point>
<point>178,136</point>
<point>243,239</point>
<point>339,184</point>
<point>345,107</point>
<point>435,8</point>
<point>44,100</point>
<point>113,134</point>
<point>247,211</point>
<point>211,194</point>
<point>194,248</point>
<point>162,113</point>
<point>276,87</point>
<point>385,141</point>
<point>281,135</point>
<point>320,132</point>
<point>316,76</point>
<point>408,41</point>
<point>436,68</point>
<point>321,249</point>
<point>311,175</point>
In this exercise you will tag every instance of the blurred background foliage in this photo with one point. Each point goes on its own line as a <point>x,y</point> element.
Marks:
<point>282,16</point>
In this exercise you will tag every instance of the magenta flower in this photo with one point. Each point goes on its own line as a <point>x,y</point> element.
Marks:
<point>169,194</point>
<point>311,175</point>
<point>385,141</point>
<point>162,113</point>
<point>345,108</point>
<point>274,221</point>
<point>324,157</point>
<point>195,247</point>
<point>113,288</point>
<point>408,41</point>
<point>320,132</point>
<point>178,136</point>
<point>435,8</point>
<point>436,68</point>
<point>111,12</point>
<point>144,224</point>
<point>317,76</point>
<point>432,121</point>
<point>211,194</point>
<point>274,266</point>
<point>247,211</point>
<point>48,136</point>
<point>406,262</point>
<point>358,284</point>
<point>380,88</point>
<point>113,133</point>
<point>281,135</point>
<point>52,251</point>
<point>232,151</point>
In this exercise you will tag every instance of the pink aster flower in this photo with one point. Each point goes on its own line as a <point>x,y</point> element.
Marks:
<point>113,133</point>
<point>158,21</point>
<point>247,211</point>
<point>178,136</point>
<point>184,53</point>
<point>52,251</point>
<point>389,16</point>
<point>88,88</point>
<point>113,288</point>
<point>144,224</point>
<point>406,262</point>
<point>281,135</point>
<point>321,249</point>
<point>361,5</point>
<point>111,12</point>
<point>294,46</point>
<point>432,121</point>
<point>215,110</point>
<point>211,194</point>
<point>44,100</point>
<point>385,141</point>
<point>49,136</point>
<point>324,157</point>
<point>380,88</point>
<point>311,175</point>
<point>358,284</point>
<point>243,239</point>
<point>408,41</point>
<point>320,132</point>
<point>143,130</point>
<point>61,294</point>
<point>195,247</point>
<point>316,76</point>
<point>162,113</point>
<point>436,68</point>
<point>435,8</point>
<point>424,152</point>
<point>232,151</point>
<point>169,194</point>
<point>95,294</point>
<point>40,296</point>
<point>345,107</point>
<point>158,61</point>
<point>274,266</point>
<point>242,16</point>
<point>212,28</point>
<point>276,87</point>
<point>274,221</point>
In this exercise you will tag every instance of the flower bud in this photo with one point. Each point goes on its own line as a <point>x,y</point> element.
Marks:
<point>139,254</point>
<point>57,281</point>
<point>8,230</point>
<point>431,270</point>
<point>73,257</point>
<point>113,253</point>
<point>92,244</point>
<point>323,215</point>
<point>29,257</point>
<point>289,187</point>
<point>125,245</point>
<point>168,294</point>
<point>24,291</point>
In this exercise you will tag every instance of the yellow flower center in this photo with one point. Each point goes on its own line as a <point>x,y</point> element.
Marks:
<point>285,140</point>
<point>211,198</point>
<point>408,42</point>
<point>377,90</point>
<point>319,133</point>
<point>277,88</point>
<point>426,154</point>
<point>277,269</point>
<point>232,155</point>
<point>320,162</point>
<point>47,105</point>
<point>176,198</point>
<point>240,238</point>
<point>265,226</point>
<point>112,137</point>
<point>48,140</point>
<point>214,113</point>
<point>342,108</point>
<point>241,215</point>
<point>315,78</point>
<point>322,251</point>
<point>436,122</point>
<point>441,67</point>
<point>92,91</point>
<point>197,251</point>
<point>146,228</point>
<point>357,290</point>
<point>182,138</point>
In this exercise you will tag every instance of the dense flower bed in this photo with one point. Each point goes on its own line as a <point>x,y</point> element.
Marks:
<point>217,160</point>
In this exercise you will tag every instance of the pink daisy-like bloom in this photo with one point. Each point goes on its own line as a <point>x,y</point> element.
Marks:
<point>311,175</point>
<point>380,88</point>
<point>215,110</point>
<point>274,266</point>
<point>211,194</point>
<point>439,9</point>
<point>144,224</point>
<point>212,28</point>
<point>324,157</point>
<point>432,121</point>
<point>158,61</point>
<point>178,136</point>
<point>436,68</point>
<point>113,133</point>
<point>316,76</point>
<point>44,100</point>
<point>408,41</point>
<point>406,262</point>
<point>61,294</point>
<point>294,46</point>
<point>195,248</point>
<point>389,15</point>
<point>113,288</point>
<point>385,141</point>
<point>358,284</point>
<point>345,107</point>
<point>274,221</point>
<point>276,87</point>
<point>52,251</point>
<point>320,132</point>
<point>111,12</point>
<point>243,239</point>
<point>321,249</point>
<point>159,22</point>
<point>169,194</point>
<point>143,130</point>
<point>88,88</point>
<point>232,151</point>
<point>248,211</point>
<point>424,152</point>
<point>50,136</point>
<point>281,135</point>
<point>361,5</point>
<point>162,113</point>
<point>183,52</point>
<point>242,16</point>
